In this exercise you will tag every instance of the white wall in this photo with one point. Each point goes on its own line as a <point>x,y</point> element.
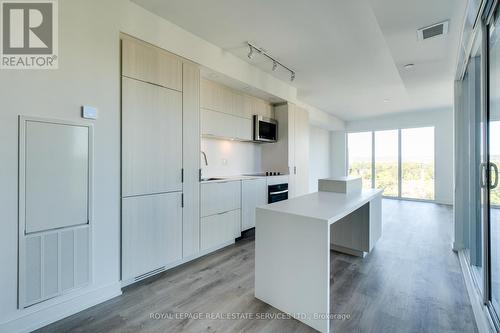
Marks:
<point>442,120</point>
<point>319,156</point>
<point>338,161</point>
<point>230,158</point>
<point>89,74</point>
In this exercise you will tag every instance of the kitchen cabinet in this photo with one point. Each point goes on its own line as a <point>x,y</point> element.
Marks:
<point>220,197</point>
<point>220,214</point>
<point>151,233</point>
<point>219,229</point>
<point>222,125</point>
<point>191,159</point>
<point>151,123</point>
<point>227,113</point>
<point>160,218</point>
<point>253,194</point>
<point>150,64</point>
<point>290,155</point>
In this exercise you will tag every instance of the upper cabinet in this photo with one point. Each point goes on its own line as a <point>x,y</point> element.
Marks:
<point>150,64</point>
<point>227,113</point>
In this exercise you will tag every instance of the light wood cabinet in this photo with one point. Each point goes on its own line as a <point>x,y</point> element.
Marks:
<point>160,160</point>
<point>301,152</point>
<point>222,125</point>
<point>290,155</point>
<point>150,64</point>
<point>151,233</point>
<point>218,230</point>
<point>227,113</point>
<point>253,194</point>
<point>220,213</point>
<point>220,197</point>
<point>191,159</point>
<point>151,138</point>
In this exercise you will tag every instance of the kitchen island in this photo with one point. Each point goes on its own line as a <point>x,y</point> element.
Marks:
<point>292,248</point>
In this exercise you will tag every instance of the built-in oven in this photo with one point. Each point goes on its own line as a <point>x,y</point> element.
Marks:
<point>265,129</point>
<point>277,192</point>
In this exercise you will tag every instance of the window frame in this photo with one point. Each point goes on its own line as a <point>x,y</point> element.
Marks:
<point>400,164</point>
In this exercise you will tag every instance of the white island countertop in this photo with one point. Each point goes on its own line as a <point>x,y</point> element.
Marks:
<point>326,206</point>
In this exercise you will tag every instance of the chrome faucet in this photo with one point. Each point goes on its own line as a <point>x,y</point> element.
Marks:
<point>204,157</point>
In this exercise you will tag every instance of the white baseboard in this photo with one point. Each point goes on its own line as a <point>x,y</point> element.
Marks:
<point>483,323</point>
<point>32,320</point>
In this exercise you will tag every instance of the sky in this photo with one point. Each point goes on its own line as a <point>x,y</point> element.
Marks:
<point>417,145</point>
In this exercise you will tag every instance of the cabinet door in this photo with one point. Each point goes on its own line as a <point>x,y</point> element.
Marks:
<point>253,194</point>
<point>211,96</point>
<point>191,159</point>
<point>151,233</point>
<point>218,124</point>
<point>150,64</point>
<point>301,155</point>
<point>244,128</point>
<point>291,150</point>
<point>219,229</point>
<point>220,197</point>
<point>151,138</point>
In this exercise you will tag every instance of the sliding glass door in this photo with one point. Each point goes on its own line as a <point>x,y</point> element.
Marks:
<point>417,158</point>
<point>386,162</point>
<point>359,147</point>
<point>491,167</point>
<point>398,161</point>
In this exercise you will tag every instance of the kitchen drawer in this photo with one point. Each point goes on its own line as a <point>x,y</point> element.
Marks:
<point>220,228</point>
<point>220,197</point>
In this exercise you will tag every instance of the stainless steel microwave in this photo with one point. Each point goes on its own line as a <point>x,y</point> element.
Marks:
<point>265,129</point>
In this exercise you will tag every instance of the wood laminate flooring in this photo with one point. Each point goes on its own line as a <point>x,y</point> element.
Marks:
<point>411,282</point>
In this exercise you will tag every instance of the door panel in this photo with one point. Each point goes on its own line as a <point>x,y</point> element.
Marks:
<point>151,139</point>
<point>490,168</point>
<point>151,233</point>
<point>301,155</point>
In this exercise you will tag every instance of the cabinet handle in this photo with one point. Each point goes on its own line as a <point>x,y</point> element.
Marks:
<point>227,211</point>
<point>294,170</point>
<point>278,192</point>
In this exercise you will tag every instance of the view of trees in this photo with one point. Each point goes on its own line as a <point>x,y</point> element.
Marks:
<point>495,193</point>
<point>418,178</point>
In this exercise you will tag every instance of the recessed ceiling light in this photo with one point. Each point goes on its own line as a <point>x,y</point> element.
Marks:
<point>408,66</point>
<point>386,100</point>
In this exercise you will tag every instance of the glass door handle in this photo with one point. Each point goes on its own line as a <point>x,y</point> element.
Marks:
<point>482,175</point>
<point>495,170</point>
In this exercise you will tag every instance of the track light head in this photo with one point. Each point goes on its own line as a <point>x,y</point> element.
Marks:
<point>250,54</point>
<point>292,77</point>
<point>275,66</point>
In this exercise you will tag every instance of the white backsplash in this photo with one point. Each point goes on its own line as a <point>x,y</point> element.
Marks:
<point>230,158</point>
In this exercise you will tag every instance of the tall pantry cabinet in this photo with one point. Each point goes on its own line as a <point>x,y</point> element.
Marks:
<point>290,155</point>
<point>160,159</point>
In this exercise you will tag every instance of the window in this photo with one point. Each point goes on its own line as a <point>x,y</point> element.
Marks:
<point>360,156</point>
<point>386,162</point>
<point>400,161</point>
<point>417,158</point>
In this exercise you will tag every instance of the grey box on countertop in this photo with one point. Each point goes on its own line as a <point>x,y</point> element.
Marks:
<point>346,185</point>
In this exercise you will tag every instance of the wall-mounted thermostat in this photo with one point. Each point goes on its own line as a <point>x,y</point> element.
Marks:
<point>89,112</point>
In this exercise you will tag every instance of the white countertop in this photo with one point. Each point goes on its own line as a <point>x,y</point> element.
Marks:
<point>237,178</point>
<point>326,206</point>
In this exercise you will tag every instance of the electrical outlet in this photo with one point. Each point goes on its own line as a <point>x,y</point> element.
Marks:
<point>224,161</point>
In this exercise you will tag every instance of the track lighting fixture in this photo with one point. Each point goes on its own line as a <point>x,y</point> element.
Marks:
<point>276,63</point>
<point>250,54</point>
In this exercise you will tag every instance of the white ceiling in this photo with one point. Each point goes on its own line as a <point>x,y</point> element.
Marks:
<point>348,54</point>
